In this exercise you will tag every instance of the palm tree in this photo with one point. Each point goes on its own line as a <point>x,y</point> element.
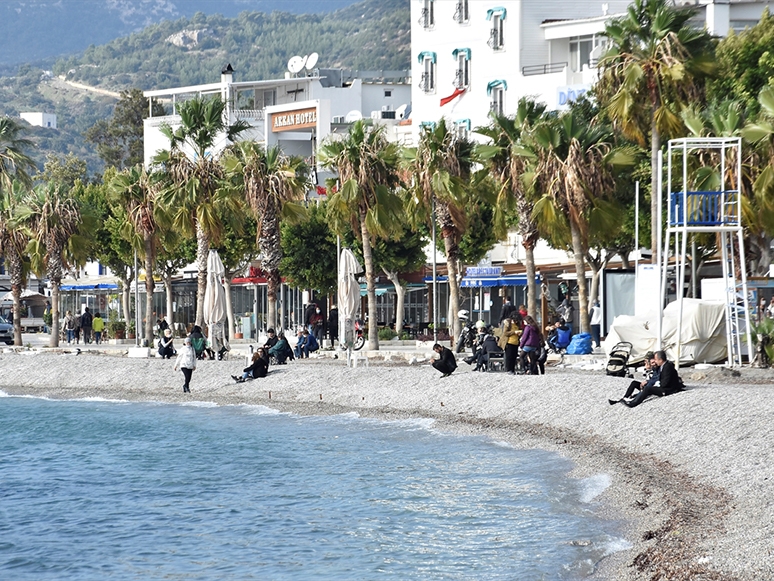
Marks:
<point>513,171</point>
<point>441,167</point>
<point>573,168</point>
<point>367,165</point>
<point>654,66</point>
<point>13,243</point>
<point>132,190</point>
<point>272,183</point>
<point>194,176</point>
<point>54,218</point>
<point>14,163</point>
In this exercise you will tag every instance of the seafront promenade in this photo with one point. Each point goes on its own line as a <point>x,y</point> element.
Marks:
<point>690,473</point>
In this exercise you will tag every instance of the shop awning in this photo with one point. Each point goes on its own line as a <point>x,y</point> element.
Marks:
<point>499,11</point>
<point>87,287</point>
<point>491,281</point>
<point>382,288</point>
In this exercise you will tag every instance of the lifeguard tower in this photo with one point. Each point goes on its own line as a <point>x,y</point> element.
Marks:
<point>704,195</point>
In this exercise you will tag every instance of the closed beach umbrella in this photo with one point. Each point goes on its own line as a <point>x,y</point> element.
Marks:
<point>349,295</point>
<point>215,302</point>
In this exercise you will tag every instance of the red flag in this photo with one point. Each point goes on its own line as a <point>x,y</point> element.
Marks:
<point>450,98</point>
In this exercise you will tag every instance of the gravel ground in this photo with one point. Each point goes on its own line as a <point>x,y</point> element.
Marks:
<point>691,473</point>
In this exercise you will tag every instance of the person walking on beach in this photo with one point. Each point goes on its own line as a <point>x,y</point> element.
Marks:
<point>86,322</point>
<point>69,325</point>
<point>186,362</point>
<point>446,362</point>
<point>98,324</point>
<point>665,381</point>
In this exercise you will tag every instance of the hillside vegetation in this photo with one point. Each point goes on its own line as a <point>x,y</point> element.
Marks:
<point>370,35</point>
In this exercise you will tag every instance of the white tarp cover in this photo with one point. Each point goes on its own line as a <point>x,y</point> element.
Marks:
<point>703,335</point>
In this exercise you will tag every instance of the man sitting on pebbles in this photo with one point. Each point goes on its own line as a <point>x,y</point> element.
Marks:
<point>664,381</point>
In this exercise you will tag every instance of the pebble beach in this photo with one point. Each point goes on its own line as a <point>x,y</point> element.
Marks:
<point>691,474</point>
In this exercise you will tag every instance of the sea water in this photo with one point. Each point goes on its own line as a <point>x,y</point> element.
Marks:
<point>95,490</point>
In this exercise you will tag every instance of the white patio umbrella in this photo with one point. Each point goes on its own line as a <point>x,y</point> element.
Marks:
<point>215,303</point>
<point>349,295</point>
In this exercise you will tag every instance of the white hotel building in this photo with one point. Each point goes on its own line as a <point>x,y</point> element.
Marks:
<point>470,57</point>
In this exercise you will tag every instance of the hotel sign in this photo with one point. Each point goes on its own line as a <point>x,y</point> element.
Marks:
<point>293,120</point>
<point>484,271</point>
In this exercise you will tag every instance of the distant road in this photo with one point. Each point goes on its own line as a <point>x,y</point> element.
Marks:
<point>92,89</point>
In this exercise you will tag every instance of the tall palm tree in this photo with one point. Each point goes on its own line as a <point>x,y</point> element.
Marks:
<point>194,175</point>
<point>14,163</point>
<point>441,167</point>
<point>133,191</point>
<point>513,171</point>
<point>574,168</point>
<point>13,244</point>
<point>54,218</point>
<point>367,165</point>
<point>272,184</point>
<point>654,66</point>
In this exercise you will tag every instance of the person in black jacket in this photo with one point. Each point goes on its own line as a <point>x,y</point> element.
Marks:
<point>259,367</point>
<point>667,382</point>
<point>446,362</point>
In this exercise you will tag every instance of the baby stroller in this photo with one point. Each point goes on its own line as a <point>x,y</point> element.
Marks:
<point>618,360</point>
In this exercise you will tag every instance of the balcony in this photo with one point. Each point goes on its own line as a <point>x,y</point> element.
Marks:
<point>461,13</point>
<point>249,114</point>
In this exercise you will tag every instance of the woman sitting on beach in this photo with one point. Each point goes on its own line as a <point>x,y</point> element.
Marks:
<point>166,349</point>
<point>259,367</point>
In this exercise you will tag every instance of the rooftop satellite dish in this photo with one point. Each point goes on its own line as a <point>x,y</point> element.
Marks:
<point>295,64</point>
<point>353,116</point>
<point>311,60</point>
<point>400,112</point>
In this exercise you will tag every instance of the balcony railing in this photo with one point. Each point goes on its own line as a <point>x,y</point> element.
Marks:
<point>496,107</point>
<point>495,39</point>
<point>426,18</point>
<point>461,13</point>
<point>543,69</point>
<point>460,79</point>
<point>426,83</point>
<point>246,114</point>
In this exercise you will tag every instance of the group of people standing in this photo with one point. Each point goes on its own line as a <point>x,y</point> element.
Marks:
<point>77,327</point>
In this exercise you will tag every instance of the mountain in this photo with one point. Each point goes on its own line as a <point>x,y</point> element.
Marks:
<point>33,30</point>
<point>81,89</point>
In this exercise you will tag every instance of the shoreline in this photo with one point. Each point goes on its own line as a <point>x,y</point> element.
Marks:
<point>692,491</point>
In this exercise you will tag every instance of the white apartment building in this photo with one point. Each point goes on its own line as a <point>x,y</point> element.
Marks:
<point>39,119</point>
<point>470,57</point>
<point>297,112</point>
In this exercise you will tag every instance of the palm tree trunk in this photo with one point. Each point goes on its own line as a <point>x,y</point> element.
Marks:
<point>55,282</point>
<point>15,270</point>
<point>529,260</point>
<point>368,263</point>
<point>272,287</point>
<point>202,251</point>
<point>400,292</point>
<point>150,285</point>
<point>580,272</point>
<point>126,287</point>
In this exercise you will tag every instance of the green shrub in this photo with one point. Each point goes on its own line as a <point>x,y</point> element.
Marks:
<point>386,334</point>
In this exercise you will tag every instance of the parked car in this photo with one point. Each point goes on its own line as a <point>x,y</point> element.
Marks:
<point>6,331</point>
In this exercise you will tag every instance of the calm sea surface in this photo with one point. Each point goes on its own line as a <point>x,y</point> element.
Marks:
<point>94,490</point>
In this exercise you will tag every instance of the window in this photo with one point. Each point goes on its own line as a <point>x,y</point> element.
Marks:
<point>496,91</point>
<point>497,17</point>
<point>462,12</point>
<point>462,75</point>
<point>427,18</point>
<point>462,128</point>
<point>585,50</point>
<point>269,98</point>
<point>388,92</point>
<point>427,81</point>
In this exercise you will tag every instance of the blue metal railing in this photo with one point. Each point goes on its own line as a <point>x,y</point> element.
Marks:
<point>704,208</point>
